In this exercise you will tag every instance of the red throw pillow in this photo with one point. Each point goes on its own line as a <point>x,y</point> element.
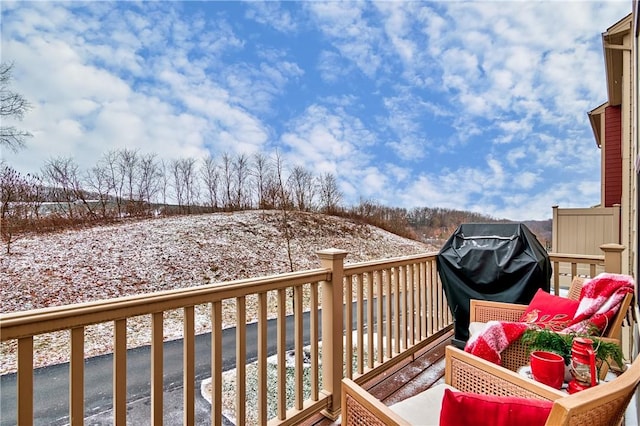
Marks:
<point>461,408</point>
<point>549,311</point>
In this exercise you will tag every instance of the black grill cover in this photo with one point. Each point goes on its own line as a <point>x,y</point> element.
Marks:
<point>503,262</point>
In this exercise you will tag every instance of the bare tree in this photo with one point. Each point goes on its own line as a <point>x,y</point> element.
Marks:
<point>284,206</point>
<point>115,179</point>
<point>128,166</point>
<point>34,197</point>
<point>242,173</point>
<point>211,178</point>
<point>263,176</point>
<point>178,184</point>
<point>10,183</point>
<point>272,193</point>
<point>164,180</point>
<point>17,194</point>
<point>12,105</point>
<point>190,181</point>
<point>227,180</point>
<point>184,182</point>
<point>330,195</point>
<point>149,180</point>
<point>63,174</point>
<point>97,181</point>
<point>301,184</point>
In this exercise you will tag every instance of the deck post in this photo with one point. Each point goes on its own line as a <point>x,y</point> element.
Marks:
<point>612,257</point>
<point>332,329</point>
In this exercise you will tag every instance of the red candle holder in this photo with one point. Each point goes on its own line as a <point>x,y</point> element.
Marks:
<point>583,365</point>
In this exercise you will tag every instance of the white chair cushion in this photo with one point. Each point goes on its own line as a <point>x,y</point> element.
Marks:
<point>424,408</point>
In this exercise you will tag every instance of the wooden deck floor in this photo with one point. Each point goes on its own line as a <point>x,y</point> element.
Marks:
<point>406,379</point>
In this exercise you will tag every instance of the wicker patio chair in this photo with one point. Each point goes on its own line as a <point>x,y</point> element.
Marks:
<point>602,405</point>
<point>516,355</point>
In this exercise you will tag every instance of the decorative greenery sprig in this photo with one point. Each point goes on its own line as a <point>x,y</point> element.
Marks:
<point>560,343</point>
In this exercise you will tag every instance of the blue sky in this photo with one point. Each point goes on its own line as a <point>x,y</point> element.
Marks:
<point>478,105</point>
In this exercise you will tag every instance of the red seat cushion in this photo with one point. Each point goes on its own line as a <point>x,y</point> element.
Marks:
<point>461,408</point>
<point>549,311</point>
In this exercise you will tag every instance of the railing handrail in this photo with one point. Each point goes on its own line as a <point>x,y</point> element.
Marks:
<point>577,258</point>
<point>15,325</point>
<point>19,324</point>
<point>375,265</point>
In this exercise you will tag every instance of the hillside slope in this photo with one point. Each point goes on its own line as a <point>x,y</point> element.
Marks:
<point>160,254</point>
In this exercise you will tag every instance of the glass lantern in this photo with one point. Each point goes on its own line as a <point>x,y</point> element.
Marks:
<point>583,365</point>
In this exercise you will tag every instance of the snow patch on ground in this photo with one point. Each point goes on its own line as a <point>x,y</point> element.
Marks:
<point>152,255</point>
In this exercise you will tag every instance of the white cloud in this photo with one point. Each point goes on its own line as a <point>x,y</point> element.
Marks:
<point>349,32</point>
<point>271,14</point>
<point>461,105</point>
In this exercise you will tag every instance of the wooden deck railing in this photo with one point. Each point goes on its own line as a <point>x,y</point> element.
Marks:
<point>567,266</point>
<point>398,306</point>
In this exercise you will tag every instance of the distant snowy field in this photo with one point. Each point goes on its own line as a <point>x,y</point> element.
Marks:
<point>168,253</point>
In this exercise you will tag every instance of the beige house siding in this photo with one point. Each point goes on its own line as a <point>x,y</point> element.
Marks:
<point>628,216</point>
<point>580,231</point>
<point>635,141</point>
<point>629,154</point>
<point>583,231</point>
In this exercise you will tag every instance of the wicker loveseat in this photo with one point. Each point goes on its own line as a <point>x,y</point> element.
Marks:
<point>603,405</point>
<point>517,354</point>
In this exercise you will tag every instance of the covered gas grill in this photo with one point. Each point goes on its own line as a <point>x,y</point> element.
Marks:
<point>502,262</point>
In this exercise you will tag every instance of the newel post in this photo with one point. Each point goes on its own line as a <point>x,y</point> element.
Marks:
<point>612,257</point>
<point>332,329</point>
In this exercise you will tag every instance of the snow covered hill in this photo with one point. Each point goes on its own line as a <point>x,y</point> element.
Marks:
<point>167,253</point>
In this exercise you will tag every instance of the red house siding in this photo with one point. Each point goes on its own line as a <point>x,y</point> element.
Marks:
<point>613,156</point>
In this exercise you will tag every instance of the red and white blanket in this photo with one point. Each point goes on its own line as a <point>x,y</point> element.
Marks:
<point>495,338</point>
<point>600,299</point>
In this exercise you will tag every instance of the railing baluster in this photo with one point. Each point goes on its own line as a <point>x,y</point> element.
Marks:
<point>25,381</point>
<point>370,323</point>
<point>282,347</point>
<point>412,305</point>
<point>417,273</point>
<point>241,360</point>
<point>298,342</point>
<point>313,324</point>
<point>360,322</point>
<point>262,358</point>
<point>348,321</point>
<point>404,310</point>
<point>430,290</point>
<point>441,308</point>
<point>423,300</point>
<point>408,285</point>
<point>157,383</point>
<point>120,372</point>
<point>216,363</point>
<point>377,278</point>
<point>437,291</point>
<point>76,379</point>
<point>389,316</point>
<point>188,366</point>
<point>396,313</point>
